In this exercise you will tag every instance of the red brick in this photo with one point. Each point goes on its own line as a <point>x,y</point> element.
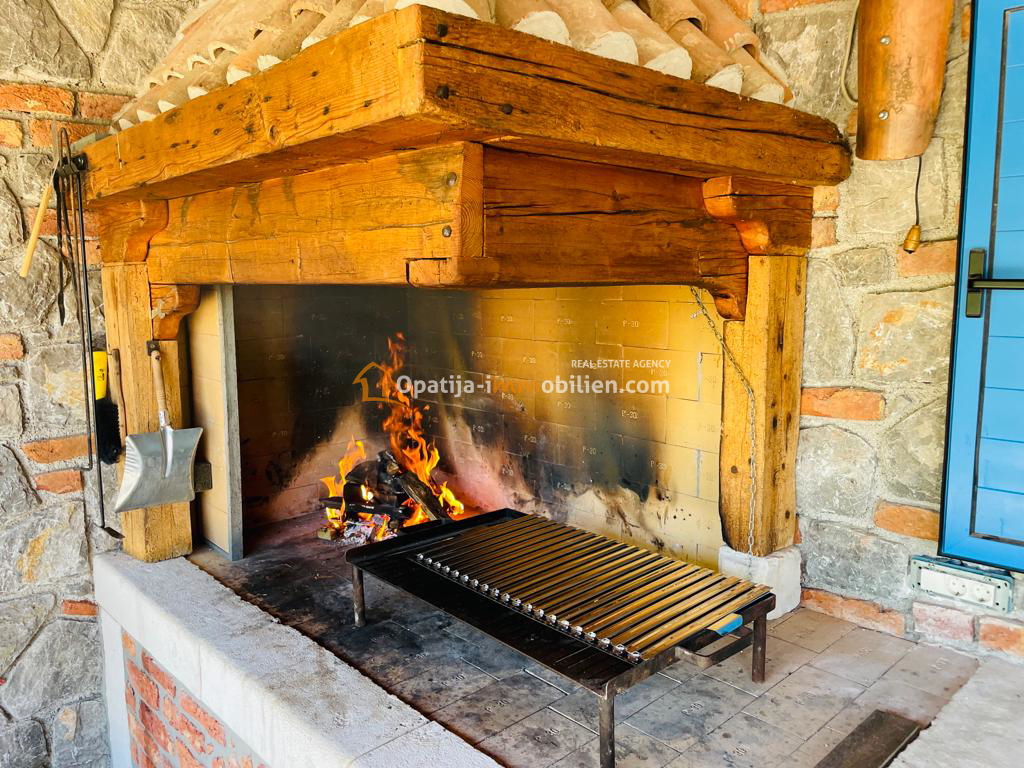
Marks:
<point>11,133</point>
<point>154,726</point>
<point>218,762</point>
<point>128,643</point>
<point>61,481</point>
<point>78,608</point>
<point>100,106</point>
<point>11,347</point>
<point>936,258</point>
<point>194,735</point>
<point>147,746</point>
<point>942,623</point>
<point>770,6</point>
<point>860,612</point>
<point>157,672</point>
<point>145,687</point>
<point>842,403</point>
<point>204,718</point>
<point>908,521</point>
<point>826,200</point>
<point>823,232</point>
<point>130,700</point>
<point>18,97</point>
<point>1001,635</point>
<point>185,758</point>
<point>49,228</point>
<point>56,449</point>
<point>39,131</point>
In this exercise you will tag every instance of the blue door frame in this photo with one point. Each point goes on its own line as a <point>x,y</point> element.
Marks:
<point>983,485</point>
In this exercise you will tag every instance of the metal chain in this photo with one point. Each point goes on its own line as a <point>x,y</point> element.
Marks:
<point>750,410</point>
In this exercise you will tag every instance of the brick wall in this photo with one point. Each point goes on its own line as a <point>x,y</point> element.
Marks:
<point>73,65</point>
<point>168,727</point>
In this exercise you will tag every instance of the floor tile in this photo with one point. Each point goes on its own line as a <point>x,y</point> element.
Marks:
<point>741,742</point>
<point>682,670</point>
<point>536,741</point>
<point>496,706</point>
<point>488,654</point>
<point>811,752</point>
<point>553,678</point>
<point>939,671</point>
<point>440,687</point>
<point>689,712</point>
<point>811,630</point>
<point>633,749</point>
<point>582,706</point>
<point>783,658</point>
<point>805,701</point>
<point>862,655</point>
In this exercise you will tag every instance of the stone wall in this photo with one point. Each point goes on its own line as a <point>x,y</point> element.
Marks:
<point>877,349</point>
<point>73,63</point>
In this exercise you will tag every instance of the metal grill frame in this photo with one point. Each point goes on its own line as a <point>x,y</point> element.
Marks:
<point>604,674</point>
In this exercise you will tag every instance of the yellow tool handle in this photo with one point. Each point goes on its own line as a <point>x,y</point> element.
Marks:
<point>99,373</point>
<point>37,227</point>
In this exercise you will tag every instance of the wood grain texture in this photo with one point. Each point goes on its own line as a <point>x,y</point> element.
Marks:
<point>768,345</point>
<point>770,217</point>
<point>549,221</point>
<point>156,533</point>
<point>171,303</point>
<point>417,76</point>
<point>354,224</point>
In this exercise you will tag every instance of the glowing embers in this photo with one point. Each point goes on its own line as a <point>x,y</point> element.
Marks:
<point>373,499</point>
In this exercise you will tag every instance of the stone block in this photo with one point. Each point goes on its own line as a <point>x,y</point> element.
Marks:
<point>1000,635</point>
<point>12,234</point>
<point>912,450</point>
<point>807,45</point>
<point>34,45</point>
<point>48,547</point>
<point>904,336</point>
<point>20,619</point>
<point>17,498</point>
<point>843,559</point>
<point>938,622</point>
<point>846,403</point>
<point>863,613</point>
<point>78,734</point>
<point>62,664</point>
<point>11,133</point>
<point>26,304</point>
<point>829,342</point>
<point>862,266</point>
<point>771,6</point>
<point>22,744</point>
<point>12,418</point>
<point>89,22</point>
<point>141,33</point>
<point>907,520</point>
<point>836,472</point>
<point>779,570</point>
<point>56,394</point>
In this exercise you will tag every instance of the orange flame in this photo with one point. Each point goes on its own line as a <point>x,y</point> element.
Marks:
<point>354,453</point>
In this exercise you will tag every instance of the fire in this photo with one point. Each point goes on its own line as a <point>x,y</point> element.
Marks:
<point>410,446</point>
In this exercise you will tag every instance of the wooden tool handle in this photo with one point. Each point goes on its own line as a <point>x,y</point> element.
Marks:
<point>37,227</point>
<point>116,394</point>
<point>158,385</point>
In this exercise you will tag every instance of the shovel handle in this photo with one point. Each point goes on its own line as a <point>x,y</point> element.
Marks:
<point>158,384</point>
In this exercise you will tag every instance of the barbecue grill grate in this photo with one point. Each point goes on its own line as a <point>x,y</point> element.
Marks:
<point>627,601</point>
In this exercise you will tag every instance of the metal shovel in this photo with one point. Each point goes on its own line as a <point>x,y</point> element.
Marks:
<point>158,466</point>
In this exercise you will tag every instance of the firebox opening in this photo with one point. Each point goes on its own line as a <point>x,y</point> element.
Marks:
<point>597,406</point>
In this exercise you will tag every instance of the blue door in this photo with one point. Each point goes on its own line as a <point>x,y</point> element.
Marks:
<point>983,498</point>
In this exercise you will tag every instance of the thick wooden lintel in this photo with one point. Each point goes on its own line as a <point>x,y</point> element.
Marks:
<point>418,77</point>
<point>774,222</point>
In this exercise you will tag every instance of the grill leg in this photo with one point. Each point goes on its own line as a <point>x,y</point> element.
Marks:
<point>358,599</point>
<point>760,643</point>
<point>606,727</point>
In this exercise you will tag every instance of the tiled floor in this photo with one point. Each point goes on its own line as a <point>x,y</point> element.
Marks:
<point>824,676</point>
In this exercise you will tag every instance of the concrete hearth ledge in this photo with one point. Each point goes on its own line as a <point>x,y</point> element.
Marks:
<point>294,703</point>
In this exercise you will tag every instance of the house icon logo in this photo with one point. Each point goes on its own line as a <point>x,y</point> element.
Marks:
<point>361,378</point>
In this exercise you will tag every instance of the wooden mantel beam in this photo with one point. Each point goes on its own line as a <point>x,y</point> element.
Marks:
<point>419,77</point>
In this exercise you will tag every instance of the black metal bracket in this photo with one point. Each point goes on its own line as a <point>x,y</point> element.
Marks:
<point>977,283</point>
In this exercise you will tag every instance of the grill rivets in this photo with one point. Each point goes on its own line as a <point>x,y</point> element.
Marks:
<point>506,108</point>
<point>451,179</point>
<point>443,92</point>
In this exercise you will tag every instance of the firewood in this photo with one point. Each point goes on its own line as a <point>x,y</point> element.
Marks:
<point>333,22</point>
<point>656,50</point>
<point>535,17</point>
<point>711,65</point>
<point>475,9</point>
<point>594,30</point>
<point>757,81</point>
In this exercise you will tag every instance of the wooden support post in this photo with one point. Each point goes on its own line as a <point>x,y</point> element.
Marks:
<point>768,346</point>
<point>157,533</point>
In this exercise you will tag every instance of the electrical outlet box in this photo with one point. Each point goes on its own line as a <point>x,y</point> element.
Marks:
<point>991,589</point>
